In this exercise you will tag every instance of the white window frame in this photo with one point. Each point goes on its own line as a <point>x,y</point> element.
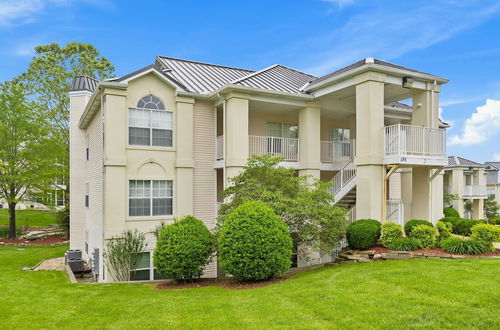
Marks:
<point>150,126</point>
<point>151,198</point>
<point>151,268</point>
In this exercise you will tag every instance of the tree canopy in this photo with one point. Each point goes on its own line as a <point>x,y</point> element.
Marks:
<point>304,203</point>
<point>26,160</point>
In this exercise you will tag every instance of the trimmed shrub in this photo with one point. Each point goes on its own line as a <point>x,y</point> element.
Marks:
<point>363,234</point>
<point>390,231</point>
<point>484,232</point>
<point>465,246</point>
<point>463,226</point>
<point>450,212</point>
<point>403,244</point>
<point>444,229</point>
<point>494,221</point>
<point>425,235</point>
<point>254,244</point>
<point>413,223</point>
<point>183,249</point>
<point>63,219</point>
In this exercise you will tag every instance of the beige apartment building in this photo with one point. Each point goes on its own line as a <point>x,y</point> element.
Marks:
<point>466,179</point>
<point>163,141</point>
<point>492,170</point>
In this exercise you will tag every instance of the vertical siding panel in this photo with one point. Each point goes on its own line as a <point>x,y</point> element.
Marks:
<point>204,176</point>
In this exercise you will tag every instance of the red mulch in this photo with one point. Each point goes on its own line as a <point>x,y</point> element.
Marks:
<point>381,249</point>
<point>231,284</point>
<point>45,241</point>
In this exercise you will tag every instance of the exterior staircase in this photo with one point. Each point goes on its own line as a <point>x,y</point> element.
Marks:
<point>344,185</point>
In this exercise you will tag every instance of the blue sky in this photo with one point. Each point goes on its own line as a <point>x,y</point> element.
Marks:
<point>459,40</point>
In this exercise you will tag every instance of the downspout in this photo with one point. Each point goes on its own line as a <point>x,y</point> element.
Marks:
<point>433,125</point>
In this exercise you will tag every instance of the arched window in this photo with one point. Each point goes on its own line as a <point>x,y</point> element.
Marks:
<point>150,124</point>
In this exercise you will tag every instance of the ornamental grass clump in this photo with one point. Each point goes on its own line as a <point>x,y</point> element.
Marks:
<point>183,249</point>
<point>403,244</point>
<point>363,234</point>
<point>254,243</point>
<point>465,246</point>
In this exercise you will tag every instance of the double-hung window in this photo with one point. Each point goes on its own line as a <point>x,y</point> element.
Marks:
<point>150,198</point>
<point>340,138</point>
<point>150,124</point>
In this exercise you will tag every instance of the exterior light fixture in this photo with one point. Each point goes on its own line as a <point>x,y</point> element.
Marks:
<point>407,82</point>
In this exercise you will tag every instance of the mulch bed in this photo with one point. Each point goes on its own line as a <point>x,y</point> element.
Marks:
<point>231,284</point>
<point>45,241</point>
<point>380,249</point>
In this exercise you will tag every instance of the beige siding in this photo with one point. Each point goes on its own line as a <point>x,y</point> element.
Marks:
<point>77,171</point>
<point>94,176</point>
<point>204,176</point>
<point>395,186</point>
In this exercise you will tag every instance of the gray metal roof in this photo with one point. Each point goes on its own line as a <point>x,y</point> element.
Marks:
<point>83,83</point>
<point>365,61</point>
<point>200,77</point>
<point>459,161</point>
<point>496,165</point>
<point>278,78</point>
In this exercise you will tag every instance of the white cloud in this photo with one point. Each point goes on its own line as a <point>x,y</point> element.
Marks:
<point>19,12</point>
<point>496,156</point>
<point>480,126</point>
<point>388,32</point>
<point>340,3</point>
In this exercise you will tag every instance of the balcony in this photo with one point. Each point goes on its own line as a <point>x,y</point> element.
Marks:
<point>287,148</point>
<point>337,152</point>
<point>475,192</point>
<point>415,145</point>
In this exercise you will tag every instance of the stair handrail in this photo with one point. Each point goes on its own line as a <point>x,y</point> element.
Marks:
<point>342,178</point>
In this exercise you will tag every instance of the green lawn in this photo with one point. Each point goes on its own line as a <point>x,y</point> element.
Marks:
<point>431,294</point>
<point>32,218</point>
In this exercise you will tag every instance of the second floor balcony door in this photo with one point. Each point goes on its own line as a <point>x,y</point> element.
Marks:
<point>341,148</point>
<point>282,139</point>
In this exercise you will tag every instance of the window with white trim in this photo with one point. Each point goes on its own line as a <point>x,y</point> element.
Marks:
<point>150,198</point>
<point>145,270</point>
<point>150,124</point>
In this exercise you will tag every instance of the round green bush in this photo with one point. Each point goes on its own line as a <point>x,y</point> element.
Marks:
<point>463,226</point>
<point>414,222</point>
<point>450,212</point>
<point>254,244</point>
<point>390,231</point>
<point>183,249</point>
<point>465,246</point>
<point>486,233</point>
<point>444,229</point>
<point>403,244</point>
<point>425,235</point>
<point>363,234</point>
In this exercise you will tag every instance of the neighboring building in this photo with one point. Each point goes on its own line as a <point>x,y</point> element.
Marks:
<point>492,170</point>
<point>467,180</point>
<point>163,141</point>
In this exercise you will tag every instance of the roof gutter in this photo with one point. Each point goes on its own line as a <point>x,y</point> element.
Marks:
<point>89,108</point>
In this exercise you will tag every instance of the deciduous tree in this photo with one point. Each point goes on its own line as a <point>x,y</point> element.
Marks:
<point>302,202</point>
<point>48,81</point>
<point>26,160</point>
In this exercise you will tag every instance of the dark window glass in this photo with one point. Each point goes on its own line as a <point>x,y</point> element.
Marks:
<point>138,136</point>
<point>140,275</point>
<point>139,207</point>
<point>162,137</point>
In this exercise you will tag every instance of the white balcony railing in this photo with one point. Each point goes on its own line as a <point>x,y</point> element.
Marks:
<point>474,191</point>
<point>395,212</point>
<point>491,191</point>
<point>408,140</point>
<point>219,147</point>
<point>337,151</point>
<point>288,148</point>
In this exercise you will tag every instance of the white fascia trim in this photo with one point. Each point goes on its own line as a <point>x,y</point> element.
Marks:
<point>230,87</point>
<point>155,71</point>
<point>80,93</point>
<point>379,68</point>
